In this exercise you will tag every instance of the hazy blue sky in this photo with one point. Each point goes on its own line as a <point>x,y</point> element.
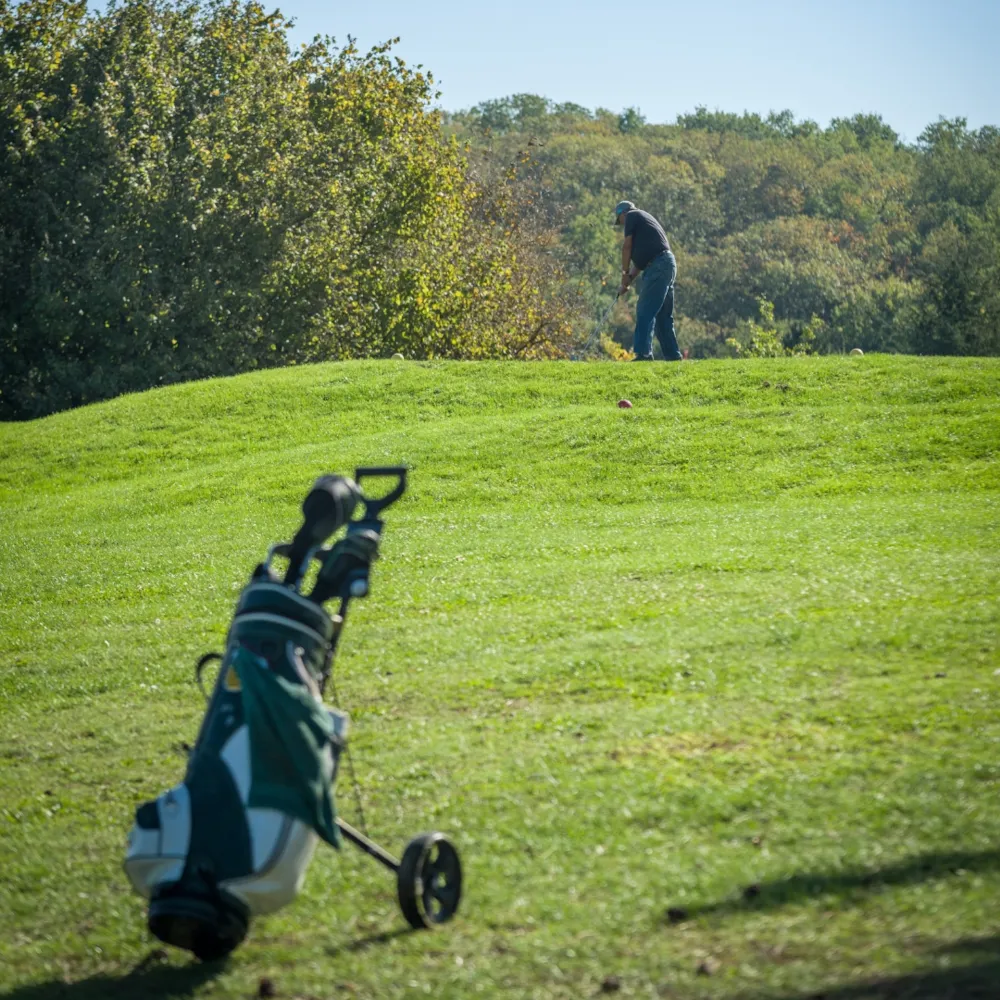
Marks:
<point>909,60</point>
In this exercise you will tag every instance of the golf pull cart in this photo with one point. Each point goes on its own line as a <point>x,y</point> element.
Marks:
<point>235,838</point>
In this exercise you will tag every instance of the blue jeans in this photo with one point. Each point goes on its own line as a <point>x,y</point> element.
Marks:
<point>655,308</point>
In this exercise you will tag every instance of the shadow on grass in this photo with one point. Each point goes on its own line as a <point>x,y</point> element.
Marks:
<point>978,980</point>
<point>361,944</point>
<point>848,883</point>
<point>149,980</point>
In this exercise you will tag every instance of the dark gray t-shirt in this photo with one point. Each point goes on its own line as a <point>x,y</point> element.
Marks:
<point>648,238</point>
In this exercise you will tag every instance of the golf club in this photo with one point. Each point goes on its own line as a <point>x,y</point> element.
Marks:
<point>329,505</point>
<point>600,324</point>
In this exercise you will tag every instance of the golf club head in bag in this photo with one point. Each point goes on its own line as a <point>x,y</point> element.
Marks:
<point>235,837</point>
<point>344,573</point>
<point>327,508</point>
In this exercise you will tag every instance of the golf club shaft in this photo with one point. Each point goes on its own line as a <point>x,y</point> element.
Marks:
<point>601,322</point>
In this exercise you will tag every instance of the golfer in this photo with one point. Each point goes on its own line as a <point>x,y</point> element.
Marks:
<point>646,251</point>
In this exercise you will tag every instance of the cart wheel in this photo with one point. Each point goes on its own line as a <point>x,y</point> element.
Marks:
<point>429,880</point>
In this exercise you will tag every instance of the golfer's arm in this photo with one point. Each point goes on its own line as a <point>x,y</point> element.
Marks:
<point>626,253</point>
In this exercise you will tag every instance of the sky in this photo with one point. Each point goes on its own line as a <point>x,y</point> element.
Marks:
<point>911,61</point>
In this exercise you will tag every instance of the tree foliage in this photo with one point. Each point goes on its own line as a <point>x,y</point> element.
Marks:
<point>852,236</point>
<point>181,195</point>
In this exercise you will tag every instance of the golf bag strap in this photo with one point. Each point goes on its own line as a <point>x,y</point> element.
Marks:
<point>199,668</point>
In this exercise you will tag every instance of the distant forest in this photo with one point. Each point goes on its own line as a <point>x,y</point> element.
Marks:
<point>832,238</point>
<point>185,194</point>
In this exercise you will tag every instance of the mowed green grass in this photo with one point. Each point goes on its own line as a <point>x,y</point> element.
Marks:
<point>732,652</point>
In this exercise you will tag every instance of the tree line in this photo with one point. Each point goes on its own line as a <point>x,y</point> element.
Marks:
<point>183,195</point>
<point>831,238</point>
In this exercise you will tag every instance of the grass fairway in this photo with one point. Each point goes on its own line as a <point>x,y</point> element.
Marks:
<point>731,652</point>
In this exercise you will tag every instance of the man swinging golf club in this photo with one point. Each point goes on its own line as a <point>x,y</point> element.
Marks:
<point>646,251</point>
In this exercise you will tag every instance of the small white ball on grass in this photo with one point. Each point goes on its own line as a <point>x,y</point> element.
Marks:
<point>856,352</point>
<point>398,357</point>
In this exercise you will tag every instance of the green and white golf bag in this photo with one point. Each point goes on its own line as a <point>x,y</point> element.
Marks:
<point>235,837</point>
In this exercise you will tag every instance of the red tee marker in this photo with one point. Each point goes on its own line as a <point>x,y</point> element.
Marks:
<point>624,404</point>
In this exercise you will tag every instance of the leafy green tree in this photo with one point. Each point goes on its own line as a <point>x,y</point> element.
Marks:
<point>181,196</point>
<point>867,129</point>
<point>762,339</point>
<point>630,121</point>
<point>958,193</point>
<point>777,124</point>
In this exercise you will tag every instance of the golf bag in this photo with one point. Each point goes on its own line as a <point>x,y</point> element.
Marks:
<point>235,837</point>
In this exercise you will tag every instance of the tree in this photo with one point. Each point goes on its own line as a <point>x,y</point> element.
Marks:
<point>183,196</point>
<point>868,129</point>
<point>630,121</point>
<point>958,189</point>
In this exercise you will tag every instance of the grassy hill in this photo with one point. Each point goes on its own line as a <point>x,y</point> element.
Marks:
<point>732,652</point>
